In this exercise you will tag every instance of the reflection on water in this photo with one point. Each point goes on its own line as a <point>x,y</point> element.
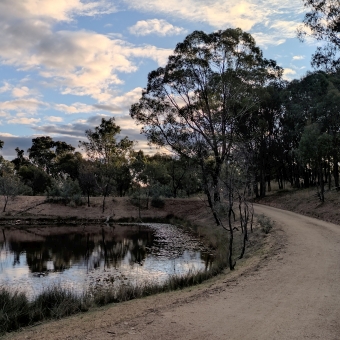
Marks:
<point>83,257</point>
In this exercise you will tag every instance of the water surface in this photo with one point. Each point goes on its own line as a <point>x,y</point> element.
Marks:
<point>83,257</point>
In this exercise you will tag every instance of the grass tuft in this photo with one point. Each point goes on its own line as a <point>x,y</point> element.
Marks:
<point>266,223</point>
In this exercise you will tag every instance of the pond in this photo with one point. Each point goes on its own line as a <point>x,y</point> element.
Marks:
<point>80,258</point>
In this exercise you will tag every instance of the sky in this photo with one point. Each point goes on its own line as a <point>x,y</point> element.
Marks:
<point>66,64</point>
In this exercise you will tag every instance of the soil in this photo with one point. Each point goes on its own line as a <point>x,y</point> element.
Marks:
<point>288,290</point>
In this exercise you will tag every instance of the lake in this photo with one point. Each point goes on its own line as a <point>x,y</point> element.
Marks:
<point>82,258</point>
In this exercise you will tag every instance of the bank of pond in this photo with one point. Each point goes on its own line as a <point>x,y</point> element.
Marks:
<point>50,272</point>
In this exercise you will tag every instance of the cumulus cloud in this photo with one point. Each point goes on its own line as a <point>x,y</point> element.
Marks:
<point>249,15</point>
<point>219,13</point>
<point>78,62</point>
<point>288,73</point>
<point>155,26</point>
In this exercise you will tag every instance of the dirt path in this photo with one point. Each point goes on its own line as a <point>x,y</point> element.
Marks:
<point>293,294</point>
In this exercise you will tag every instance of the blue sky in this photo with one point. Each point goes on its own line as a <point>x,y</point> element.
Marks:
<point>65,64</point>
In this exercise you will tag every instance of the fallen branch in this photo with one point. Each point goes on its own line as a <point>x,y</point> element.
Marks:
<point>34,206</point>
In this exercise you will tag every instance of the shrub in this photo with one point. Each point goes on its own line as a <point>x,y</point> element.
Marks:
<point>157,202</point>
<point>65,191</point>
<point>266,223</point>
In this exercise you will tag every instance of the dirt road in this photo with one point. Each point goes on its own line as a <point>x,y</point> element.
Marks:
<point>292,294</point>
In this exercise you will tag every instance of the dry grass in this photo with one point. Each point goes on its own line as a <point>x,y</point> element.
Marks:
<point>306,202</point>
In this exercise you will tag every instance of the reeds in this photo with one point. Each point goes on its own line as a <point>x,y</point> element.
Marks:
<point>17,311</point>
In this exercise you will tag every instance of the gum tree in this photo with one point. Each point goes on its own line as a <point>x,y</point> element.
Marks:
<point>194,103</point>
<point>322,22</point>
<point>104,149</point>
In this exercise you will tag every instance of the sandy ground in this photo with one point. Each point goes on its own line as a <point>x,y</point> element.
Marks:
<point>290,291</point>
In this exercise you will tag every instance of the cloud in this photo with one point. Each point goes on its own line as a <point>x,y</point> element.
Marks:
<point>23,120</point>
<point>219,13</point>
<point>77,128</point>
<point>5,134</point>
<point>27,105</point>
<point>54,119</point>
<point>298,57</point>
<point>124,102</point>
<point>155,26</point>
<point>77,62</point>
<point>287,73</point>
<point>23,91</point>
<point>110,108</point>
<point>74,108</point>
<point>61,10</point>
<point>5,88</point>
<point>265,39</point>
<point>253,16</point>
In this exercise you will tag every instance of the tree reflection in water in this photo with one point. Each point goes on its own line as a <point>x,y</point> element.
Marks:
<point>83,252</point>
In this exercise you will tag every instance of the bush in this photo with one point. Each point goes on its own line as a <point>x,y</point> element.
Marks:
<point>266,223</point>
<point>65,191</point>
<point>157,202</point>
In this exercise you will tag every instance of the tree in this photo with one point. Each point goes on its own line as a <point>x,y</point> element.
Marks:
<point>322,22</point>
<point>45,150</point>
<point>10,185</point>
<point>314,99</point>
<point>20,160</point>
<point>194,103</point>
<point>102,147</point>
<point>314,149</point>
<point>35,178</point>
<point>87,178</point>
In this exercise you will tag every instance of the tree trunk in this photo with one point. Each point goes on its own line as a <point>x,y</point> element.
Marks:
<point>336,171</point>
<point>231,241</point>
<point>6,200</point>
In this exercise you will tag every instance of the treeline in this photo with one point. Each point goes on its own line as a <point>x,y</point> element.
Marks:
<point>110,166</point>
<point>298,138</point>
<point>293,137</point>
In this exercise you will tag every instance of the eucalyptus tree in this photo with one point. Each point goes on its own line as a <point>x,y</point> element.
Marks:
<point>314,99</point>
<point>10,185</point>
<point>194,103</point>
<point>314,148</point>
<point>322,22</point>
<point>104,149</point>
<point>44,152</point>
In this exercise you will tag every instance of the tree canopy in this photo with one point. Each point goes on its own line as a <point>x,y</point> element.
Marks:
<point>194,103</point>
<point>322,22</point>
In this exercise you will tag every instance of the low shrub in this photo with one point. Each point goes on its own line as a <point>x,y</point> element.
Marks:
<point>266,224</point>
<point>157,202</point>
